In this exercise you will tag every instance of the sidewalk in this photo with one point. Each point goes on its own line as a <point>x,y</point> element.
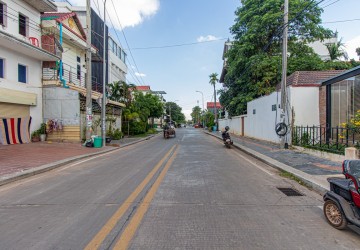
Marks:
<point>312,170</point>
<point>24,160</point>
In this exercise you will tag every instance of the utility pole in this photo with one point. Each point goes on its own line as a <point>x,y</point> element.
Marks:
<point>88,72</point>
<point>203,110</point>
<point>284,69</point>
<point>103,108</point>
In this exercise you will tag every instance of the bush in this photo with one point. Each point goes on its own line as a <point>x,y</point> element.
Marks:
<point>42,129</point>
<point>117,134</point>
<point>152,131</point>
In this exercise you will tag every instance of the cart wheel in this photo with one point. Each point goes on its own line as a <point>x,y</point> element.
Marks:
<point>334,215</point>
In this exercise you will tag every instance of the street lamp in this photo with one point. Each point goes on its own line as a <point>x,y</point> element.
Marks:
<point>202,94</point>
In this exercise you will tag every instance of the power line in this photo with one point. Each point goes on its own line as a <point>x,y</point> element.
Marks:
<point>122,30</point>
<point>330,4</point>
<point>342,21</point>
<point>178,45</point>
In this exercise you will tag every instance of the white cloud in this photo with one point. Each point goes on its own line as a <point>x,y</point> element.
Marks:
<point>351,46</point>
<point>207,38</point>
<point>140,74</point>
<point>130,13</point>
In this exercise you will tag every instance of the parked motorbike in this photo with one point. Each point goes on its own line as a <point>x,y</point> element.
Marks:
<point>226,137</point>
<point>342,202</point>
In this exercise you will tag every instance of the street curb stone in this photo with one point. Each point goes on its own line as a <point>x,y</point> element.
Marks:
<point>6,179</point>
<point>306,178</point>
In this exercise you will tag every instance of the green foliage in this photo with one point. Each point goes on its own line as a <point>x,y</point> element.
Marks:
<point>152,131</point>
<point>121,92</point>
<point>254,60</point>
<point>196,114</point>
<point>42,129</point>
<point>117,134</point>
<point>336,50</point>
<point>176,112</point>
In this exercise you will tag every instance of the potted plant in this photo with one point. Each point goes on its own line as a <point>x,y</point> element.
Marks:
<point>42,131</point>
<point>35,136</point>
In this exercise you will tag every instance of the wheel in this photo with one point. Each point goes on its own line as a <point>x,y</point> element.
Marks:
<point>334,215</point>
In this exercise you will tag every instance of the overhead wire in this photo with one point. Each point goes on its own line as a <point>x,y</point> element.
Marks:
<point>122,30</point>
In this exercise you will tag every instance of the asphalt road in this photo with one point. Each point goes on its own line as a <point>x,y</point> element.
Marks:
<point>188,192</point>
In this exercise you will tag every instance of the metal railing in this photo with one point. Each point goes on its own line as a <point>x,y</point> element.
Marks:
<point>70,75</point>
<point>331,139</point>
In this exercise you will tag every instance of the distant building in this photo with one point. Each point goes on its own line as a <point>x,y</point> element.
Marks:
<point>211,107</point>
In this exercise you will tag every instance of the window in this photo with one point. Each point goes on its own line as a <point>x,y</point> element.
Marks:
<point>78,59</point>
<point>22,76</point>
<point>23,25</point>
<point>124,57</point>
<point>2,61</point>
<point>2,14</point>
<point>273,107</point>
<point>78,72</point>
<point>254,111</point>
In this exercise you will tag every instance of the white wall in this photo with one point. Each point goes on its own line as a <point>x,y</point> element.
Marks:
<point>305,102</point>
<point>261,125</point>
<point>234,124</point>
<point>34,74</point>
<point>14,7</point>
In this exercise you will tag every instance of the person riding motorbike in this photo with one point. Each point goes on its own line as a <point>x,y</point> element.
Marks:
<point>225,134</point>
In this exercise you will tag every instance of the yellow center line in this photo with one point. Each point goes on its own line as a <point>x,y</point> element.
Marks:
<point>131,228</point>
<point>110,224</point>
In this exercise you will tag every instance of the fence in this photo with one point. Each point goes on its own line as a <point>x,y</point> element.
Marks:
<point>70,75</point>
<point>333,140</point>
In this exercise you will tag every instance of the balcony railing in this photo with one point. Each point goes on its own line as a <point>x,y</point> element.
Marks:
<point>70,75</point>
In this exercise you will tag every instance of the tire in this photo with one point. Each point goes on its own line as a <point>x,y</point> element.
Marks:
<point>334,215</point>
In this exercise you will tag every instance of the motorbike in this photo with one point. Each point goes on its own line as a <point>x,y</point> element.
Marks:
<point>342,202</point>
<point>226,138</point>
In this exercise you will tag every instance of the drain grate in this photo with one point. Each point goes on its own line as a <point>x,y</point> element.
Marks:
<point>290,191</point>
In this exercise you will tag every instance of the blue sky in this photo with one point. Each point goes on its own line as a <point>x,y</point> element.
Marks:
<point>182,70</point>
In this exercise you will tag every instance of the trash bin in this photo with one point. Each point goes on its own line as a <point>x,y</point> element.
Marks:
<point>214,128</point>
<point>97,142</point>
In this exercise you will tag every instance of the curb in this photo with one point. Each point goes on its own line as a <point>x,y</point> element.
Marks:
<point>6,179</point>
<point>306,178</point>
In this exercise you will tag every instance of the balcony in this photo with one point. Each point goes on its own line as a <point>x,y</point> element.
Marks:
<point>29,47</point>
<point>50,77</point>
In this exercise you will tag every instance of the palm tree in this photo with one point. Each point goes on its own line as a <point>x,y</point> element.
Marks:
<point>336,50</point>
<point>358,52</point>
<point>213,81</point>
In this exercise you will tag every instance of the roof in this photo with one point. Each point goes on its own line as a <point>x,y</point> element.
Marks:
<point>143,88</point>
<point>342,76</point>
<point>309,78</point>
<point>212,105</point>
<point>59,17</point>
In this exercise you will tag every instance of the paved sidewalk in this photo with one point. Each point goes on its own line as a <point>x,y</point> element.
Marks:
<point>313,170</point>
<point>24,160</point>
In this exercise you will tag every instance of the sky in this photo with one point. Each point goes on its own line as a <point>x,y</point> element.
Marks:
<point>174,45</point>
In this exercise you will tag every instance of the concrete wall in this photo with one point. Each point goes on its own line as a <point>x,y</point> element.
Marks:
<point>305,104</point>
<point>234,124</point>
<point>62,104</point>
<point>14,7</point>
<point>10,81</point>
<point>261,125</point>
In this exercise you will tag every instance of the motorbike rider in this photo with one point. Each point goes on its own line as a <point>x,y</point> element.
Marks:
<point>225,133</point>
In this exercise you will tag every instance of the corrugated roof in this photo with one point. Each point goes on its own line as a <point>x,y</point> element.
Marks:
<point>212,105</point>
<point>143,88</point>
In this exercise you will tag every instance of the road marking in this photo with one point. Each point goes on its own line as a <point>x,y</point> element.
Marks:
<point>110,224</point>
<point>131,228</point>
<point>253,163</point>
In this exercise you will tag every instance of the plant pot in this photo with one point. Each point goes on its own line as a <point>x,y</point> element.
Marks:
<point>42,137</point>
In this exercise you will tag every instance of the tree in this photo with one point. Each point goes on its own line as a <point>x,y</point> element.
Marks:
<point>176,112</point>
<point>213,81</point>
<point>336,50</point>
<point>358,52</point>
<point>196,114</point>
<point>121,92</point>
<point>254,60</point>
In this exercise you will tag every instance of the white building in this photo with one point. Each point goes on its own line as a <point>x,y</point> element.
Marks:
<point>21,57</point>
